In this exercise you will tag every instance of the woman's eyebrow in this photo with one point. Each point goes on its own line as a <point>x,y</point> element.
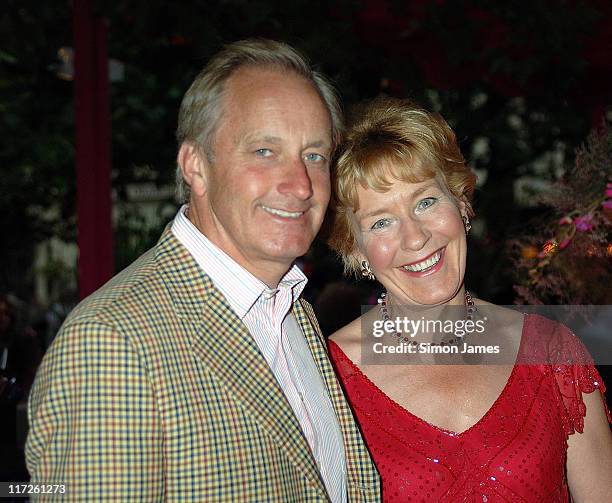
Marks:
<point>382,209</point>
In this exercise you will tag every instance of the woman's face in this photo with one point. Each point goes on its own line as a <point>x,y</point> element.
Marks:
<point>413,237</point>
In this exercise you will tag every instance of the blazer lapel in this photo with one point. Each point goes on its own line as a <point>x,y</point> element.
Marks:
<point>225,346</point>
<point>363,479</point>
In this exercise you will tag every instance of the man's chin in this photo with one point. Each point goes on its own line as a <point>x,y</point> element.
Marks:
<point>289,251</point>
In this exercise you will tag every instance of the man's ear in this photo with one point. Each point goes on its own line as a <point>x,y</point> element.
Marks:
<point>194,167</point>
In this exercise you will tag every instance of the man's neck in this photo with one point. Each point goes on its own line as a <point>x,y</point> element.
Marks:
<point>270,277</point>
<point>269,272</point>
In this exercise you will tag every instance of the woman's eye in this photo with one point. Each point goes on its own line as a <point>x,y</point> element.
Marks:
<point>426,203</point>
<point>380,224</point>
<point>263,152</point>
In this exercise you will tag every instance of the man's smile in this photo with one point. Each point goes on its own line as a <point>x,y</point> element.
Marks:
<point>282,213</point>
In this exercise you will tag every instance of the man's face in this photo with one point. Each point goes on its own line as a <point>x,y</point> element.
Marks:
<point>266,189</point>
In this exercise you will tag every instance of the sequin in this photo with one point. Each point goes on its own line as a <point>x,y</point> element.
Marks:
<point>515,452</point>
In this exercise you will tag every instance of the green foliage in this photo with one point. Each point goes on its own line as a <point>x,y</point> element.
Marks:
<point>566,258</point>
<point>36,119</point>
<point>37,186</point>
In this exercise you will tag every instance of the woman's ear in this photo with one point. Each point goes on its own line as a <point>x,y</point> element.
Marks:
<point>358,258</point>
<point>194,167</point>
<point>463,208</point>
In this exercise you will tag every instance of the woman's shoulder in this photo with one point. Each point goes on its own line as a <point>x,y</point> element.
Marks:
<point>504,316</point>
<point>349,337</point>
<point>503,327</point>
<point>551,342</point>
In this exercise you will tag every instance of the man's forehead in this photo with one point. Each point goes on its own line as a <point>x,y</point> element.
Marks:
<point>263,104</point>
<point>252,84</point>
<point>252,79</point>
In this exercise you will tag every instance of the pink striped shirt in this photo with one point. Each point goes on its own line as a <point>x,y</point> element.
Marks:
<point>267,314</point>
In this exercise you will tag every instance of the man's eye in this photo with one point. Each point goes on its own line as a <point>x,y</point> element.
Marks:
<point>380,224</point>
<point>263,152</point>
<point>426,203</point>
<point>314,157</point>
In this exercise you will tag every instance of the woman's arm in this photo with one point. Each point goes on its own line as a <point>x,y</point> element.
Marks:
<point>589,455</point>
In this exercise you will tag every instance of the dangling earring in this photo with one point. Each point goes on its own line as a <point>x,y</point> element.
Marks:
<point>466,224</point>
<point>366,272</point>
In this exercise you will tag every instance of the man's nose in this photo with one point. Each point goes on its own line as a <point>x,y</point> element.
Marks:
<point>415,234</point>
<point>296,181</point>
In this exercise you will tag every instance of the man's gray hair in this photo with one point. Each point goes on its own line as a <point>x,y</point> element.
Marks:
<point>201,106</point>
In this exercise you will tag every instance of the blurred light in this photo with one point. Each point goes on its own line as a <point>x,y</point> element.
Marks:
<point>116,70</point>
<point>550,247</point>
<point>64,67</point>
<point>529,252</point>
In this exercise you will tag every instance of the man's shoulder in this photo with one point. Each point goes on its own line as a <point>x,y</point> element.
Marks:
<point>118,291</point>
<point>305,304</point>
<point>309,311</point>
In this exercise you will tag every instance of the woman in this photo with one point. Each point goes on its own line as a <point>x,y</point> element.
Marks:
<point>503,432</point>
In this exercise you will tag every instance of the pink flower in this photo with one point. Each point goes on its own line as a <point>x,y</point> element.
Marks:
<point>566,220</point>
<point>564,243</point>
<point>608,192</point>
<point>584,223</point>
<point>607,204</point>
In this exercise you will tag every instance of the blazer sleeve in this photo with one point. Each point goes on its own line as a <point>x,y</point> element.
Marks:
<point>94,425</point>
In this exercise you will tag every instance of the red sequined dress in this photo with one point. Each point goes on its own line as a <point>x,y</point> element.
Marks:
<point>515,453</point>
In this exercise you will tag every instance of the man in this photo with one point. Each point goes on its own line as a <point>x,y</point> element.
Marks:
<point>197,374</point>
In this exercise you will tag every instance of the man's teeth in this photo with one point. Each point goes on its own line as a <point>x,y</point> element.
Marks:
<point>283,213</point>
<point>426,264</point>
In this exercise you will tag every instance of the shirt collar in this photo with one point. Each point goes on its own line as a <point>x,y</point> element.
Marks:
<point>239,286</point>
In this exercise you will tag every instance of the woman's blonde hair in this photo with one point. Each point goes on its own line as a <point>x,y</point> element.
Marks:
<point>391,139</point>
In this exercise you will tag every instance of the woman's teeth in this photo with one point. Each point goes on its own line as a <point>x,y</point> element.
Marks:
<point>426,264</point>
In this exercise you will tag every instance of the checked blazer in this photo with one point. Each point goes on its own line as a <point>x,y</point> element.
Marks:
<point>154,390</point>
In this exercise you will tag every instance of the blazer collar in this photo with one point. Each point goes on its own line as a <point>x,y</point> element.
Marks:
<point>363,479</point>
<point>223,343</point>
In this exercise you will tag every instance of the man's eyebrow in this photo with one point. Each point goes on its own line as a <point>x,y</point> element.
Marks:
<point>254,138</point>
<point>382,209</point>
<point>318,144</point>
<point>276,140</point>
